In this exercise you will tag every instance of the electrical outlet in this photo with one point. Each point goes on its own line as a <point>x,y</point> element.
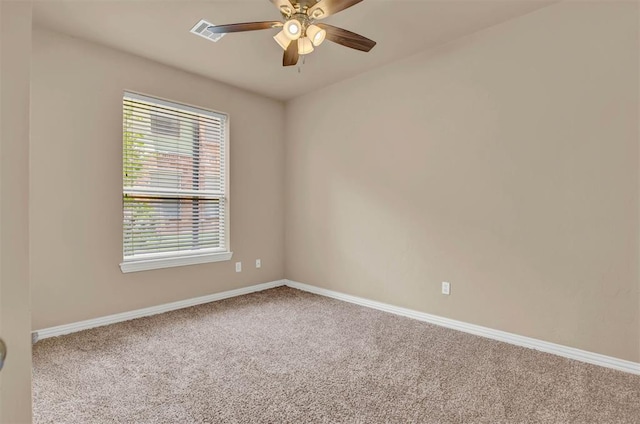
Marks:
<point>238,266</point>
<point>258,263</point>
<point>446,288</point>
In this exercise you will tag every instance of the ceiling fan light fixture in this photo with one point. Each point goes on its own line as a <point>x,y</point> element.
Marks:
<point>305,46</point>
<point>316,34</point>
<point>293,29</point>
<point>317,13</point>
<point>282,39</point>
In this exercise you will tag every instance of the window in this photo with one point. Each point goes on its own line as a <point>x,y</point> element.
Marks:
<point>174,184</point>
<point>169,209</point>
<point>162,124</point>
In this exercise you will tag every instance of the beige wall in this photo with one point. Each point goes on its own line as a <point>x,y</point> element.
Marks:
<point>76,183</point>
<point>505,163</point>
<point>15,56</point>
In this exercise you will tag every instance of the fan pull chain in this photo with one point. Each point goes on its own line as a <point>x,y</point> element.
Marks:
<point>304,59</point>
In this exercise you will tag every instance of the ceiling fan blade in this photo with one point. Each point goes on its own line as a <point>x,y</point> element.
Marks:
<point>291,55</point>
<point>247,26</point>
<point>283,4</point>
<point>347,38</point>
<point>330,7</point>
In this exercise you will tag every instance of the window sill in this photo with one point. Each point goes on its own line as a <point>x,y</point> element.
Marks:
<point>148,264</point>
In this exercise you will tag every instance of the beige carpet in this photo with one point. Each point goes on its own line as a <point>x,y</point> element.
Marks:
<point>285,356</point>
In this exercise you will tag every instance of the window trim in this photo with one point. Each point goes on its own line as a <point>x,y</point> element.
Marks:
<point>186,257</point>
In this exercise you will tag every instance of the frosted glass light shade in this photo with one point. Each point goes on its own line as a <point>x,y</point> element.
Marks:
<point>305,46</point>
<point>282,39</point>
<point>293,29</point>
<point>316,34</point>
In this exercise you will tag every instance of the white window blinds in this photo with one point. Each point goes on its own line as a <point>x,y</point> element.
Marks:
<point>174,179</point>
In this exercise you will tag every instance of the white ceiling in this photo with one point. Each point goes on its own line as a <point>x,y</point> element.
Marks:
<point>159,30</point>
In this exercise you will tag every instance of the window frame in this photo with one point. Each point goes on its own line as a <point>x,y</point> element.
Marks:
<point>150,261</point>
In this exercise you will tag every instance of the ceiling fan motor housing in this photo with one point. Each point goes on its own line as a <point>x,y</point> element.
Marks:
<point>304,20</point>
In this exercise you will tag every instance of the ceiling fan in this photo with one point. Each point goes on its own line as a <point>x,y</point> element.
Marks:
<point>300,30</point>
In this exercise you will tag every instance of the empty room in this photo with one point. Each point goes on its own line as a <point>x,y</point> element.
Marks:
<point>319,211</point>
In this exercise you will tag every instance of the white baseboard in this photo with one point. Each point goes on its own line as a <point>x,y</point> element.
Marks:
<point>503,336</point>
<point>153,310</point>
